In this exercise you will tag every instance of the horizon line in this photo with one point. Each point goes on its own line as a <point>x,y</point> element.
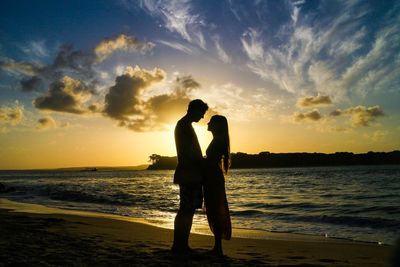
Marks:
<point>145,165</point>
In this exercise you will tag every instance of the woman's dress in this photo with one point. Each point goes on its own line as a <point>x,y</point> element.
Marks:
<point>216,204</point>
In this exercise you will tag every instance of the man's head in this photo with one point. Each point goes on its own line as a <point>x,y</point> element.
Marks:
<point>196,110</point>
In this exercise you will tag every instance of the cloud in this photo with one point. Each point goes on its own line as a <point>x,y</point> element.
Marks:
<point>319,100</point>
<point>177,46</point>
<point>378,69</point>
<point>95,107</point>
<point>238,103</point>
<point>11,115</point>
<point>184,85</point>
<point>221,52</point>
<point>178,17</point>
<point>72,62</point>
<point>126,103</point>
<point>123,99</point>
<point>235,10</point>
<point>24,68</point>
<point>165,109</point>
<point>122,42</point>
<point>81,63</point>
<point>45,123</point>
<point>296,11</point>
<point>70,79</point>
<point>337,56</point>
<point>376,136</point>
<point>66,125</point>
<point>252,44</point>
<point>35,48</point>
<point>336,113</point>
<point>360,115</point>
<point>313,115</point>
<point>66,95</point>
<point>31,84</point>
<point>67,62</point>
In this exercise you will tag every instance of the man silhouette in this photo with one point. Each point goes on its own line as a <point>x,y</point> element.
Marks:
<point>188,174</point>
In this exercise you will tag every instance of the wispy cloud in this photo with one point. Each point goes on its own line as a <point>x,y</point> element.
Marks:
<point>238,103</point>
<point>253,45</point>
<point>24,68</point>
<point>379,68</point>
<point>177,46</point>
<point>331,57</point>
<point>221,52</point>
<point>234,10</point>
<point>36,49</point>
<point>296,10</point>
<point>178,16</point>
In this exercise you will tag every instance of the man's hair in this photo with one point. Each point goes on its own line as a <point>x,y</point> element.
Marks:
<point>197,104</point>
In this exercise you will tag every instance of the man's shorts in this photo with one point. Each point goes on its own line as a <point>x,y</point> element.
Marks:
<point>191,197</point>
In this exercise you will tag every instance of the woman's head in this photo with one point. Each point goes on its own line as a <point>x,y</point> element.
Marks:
<point>218,125</point>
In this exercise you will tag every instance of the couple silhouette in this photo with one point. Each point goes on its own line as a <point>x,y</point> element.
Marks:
<point>200,178</point>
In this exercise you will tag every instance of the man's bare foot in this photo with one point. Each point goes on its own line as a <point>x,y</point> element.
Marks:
<point>181,250</point>
<point>217,252</point>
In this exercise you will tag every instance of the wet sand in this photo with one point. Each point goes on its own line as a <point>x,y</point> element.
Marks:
<point>36,235</point>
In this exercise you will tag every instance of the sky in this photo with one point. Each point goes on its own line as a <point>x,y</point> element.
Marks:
<point>103,83</point>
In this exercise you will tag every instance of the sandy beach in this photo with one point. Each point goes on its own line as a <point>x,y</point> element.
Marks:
<point>36,235</point>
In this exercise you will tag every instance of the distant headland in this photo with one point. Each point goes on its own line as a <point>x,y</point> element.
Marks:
<point>278,160</point>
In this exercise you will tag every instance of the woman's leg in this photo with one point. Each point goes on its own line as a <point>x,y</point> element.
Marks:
<point>218,242</point>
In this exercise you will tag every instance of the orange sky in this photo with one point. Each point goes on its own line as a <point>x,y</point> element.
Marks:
<point>105,83</point>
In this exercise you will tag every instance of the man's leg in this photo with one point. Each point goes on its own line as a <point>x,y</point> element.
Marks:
<point>190,198</point>
<point>182,227</point>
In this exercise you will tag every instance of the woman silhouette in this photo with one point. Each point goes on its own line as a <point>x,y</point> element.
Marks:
<point>217,165</point>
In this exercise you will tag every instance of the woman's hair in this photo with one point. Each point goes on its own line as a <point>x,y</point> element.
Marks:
<point>222,131</point>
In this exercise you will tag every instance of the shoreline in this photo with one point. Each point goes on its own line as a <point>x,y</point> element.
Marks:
<point>138,242</point>
<point>196,229</point>
<point>24,207</point>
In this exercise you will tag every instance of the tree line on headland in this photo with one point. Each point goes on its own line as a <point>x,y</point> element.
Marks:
<point>276,160</point>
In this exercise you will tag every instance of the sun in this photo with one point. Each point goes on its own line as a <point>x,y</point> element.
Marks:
<point>203,136</point>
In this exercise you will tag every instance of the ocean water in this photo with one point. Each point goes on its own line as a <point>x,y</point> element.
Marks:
<point>357,202</point>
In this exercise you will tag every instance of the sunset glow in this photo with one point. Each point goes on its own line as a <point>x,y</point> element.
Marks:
<point>103,83</point>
